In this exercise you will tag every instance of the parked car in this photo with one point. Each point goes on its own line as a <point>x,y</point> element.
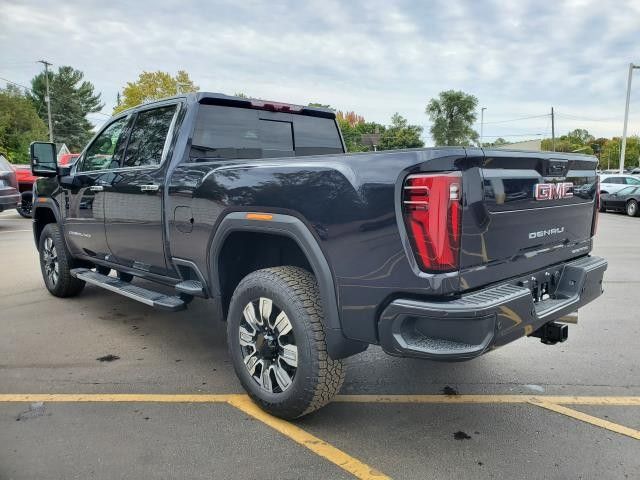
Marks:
<point>68,158</point>
<point>635,171</point>
<point>610,183</point>
<point>9,195</point>
<point>625,200</point>
<point>25,185</point>
<point>311,254</point>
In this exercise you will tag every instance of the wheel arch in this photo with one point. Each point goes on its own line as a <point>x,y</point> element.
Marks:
<point>294,230</point>
<point>44,212</point>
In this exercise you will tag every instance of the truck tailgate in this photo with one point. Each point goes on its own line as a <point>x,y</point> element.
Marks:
<point>533,210</point>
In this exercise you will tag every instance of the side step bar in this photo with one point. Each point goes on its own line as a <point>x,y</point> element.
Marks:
<point>143,295</point>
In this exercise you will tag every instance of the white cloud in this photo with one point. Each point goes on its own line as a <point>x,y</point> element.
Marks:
<point>372,56</point>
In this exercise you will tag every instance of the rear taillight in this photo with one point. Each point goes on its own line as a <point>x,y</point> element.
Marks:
<point>432,211</point>
<point>594,222</point>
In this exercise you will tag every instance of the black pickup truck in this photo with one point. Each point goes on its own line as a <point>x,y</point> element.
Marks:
<point>311,254</point>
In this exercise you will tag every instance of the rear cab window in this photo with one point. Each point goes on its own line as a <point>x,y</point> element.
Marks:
<point>223,132</point>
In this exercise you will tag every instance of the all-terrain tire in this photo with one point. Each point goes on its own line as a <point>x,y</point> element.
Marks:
<point>318,377</point>
<point>56,264</point>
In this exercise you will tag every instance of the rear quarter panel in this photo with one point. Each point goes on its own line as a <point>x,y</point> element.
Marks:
<point>347,201</point>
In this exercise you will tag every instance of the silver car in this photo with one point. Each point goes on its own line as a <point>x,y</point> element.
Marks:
<point>613,183</point>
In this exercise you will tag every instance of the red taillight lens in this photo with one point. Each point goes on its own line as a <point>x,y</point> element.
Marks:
<point>432,210</point>
<point>594,223</point>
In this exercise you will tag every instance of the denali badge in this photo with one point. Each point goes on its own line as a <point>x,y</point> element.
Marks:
<point>544,233</point>
<point>552,191</point>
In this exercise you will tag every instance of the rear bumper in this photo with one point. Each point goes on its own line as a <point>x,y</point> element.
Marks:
<point>467,327</point>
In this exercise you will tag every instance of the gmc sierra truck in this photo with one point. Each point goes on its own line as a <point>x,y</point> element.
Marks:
<point>311,254</point>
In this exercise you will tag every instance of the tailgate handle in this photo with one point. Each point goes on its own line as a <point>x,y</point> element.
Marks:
<point>149,188</point>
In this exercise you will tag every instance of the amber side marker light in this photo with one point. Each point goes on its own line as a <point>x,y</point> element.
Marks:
<point>42,200</point>
<point>259,216</point>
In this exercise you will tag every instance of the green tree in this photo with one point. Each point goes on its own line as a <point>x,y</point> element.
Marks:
<point>400,134</point>
<point>72,98</point>
<point>154,86</point>
<point>610,154</point>
<point>578,140</point>
<point>19,125</point>
<point>453,114</point>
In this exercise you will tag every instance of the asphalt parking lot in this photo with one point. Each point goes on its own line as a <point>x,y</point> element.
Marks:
<point>169,405</point>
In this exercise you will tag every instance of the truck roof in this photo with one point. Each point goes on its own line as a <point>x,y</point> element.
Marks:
<point>213,98</point>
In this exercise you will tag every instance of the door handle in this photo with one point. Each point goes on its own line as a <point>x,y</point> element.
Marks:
<point>96,188</point>
<point>149,188</point>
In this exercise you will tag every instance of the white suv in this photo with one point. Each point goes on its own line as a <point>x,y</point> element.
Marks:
<point>612,183</point>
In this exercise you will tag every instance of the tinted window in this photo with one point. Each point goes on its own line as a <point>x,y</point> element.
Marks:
<point>632,181</point>
<point>316,136</point>
<point>148,136</point>
<point>238,133</point>
<point>106,150</point>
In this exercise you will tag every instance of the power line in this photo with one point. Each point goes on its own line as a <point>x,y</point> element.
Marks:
<point>16,84</point>
<point>516,119</point>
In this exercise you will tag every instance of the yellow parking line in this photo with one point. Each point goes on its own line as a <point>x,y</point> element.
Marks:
<point>218,398</point>
<point>598,422</point>
<point>452,399</point>
<point>313,443</point>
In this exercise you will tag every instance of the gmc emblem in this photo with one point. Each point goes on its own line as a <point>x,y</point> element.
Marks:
<point>553,191</point>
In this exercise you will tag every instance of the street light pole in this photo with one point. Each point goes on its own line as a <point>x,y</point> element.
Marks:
<point>482,123</point>
<point>47,97</point>
<point>626,117</point>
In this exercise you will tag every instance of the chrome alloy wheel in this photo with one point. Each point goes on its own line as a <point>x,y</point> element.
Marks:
<point>50,261</point>
<point>268,345</point>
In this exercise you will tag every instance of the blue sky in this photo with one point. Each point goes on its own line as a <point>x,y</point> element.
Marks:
<point>374,57</point>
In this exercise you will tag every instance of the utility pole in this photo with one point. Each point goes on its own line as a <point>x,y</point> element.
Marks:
<point>626,117</point>
<point>47,98</point>
<point>553,131</point>
<point>482,123</point>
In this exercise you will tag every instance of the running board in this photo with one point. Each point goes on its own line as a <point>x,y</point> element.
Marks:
<point>142,295</point>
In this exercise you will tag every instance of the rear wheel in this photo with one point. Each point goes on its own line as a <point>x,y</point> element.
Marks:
<point>25,207</point>
<point>277,342</point>
<point>56,264</point>
<point>632,208</point>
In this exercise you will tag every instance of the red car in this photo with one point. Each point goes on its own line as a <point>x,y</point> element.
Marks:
<point>25,183</point>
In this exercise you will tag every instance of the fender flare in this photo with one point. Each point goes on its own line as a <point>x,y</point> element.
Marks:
<point>287,225</point>
<point>43,203</point>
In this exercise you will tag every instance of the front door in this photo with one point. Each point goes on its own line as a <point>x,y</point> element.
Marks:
<point>84,191</point>
<point>133,209</point>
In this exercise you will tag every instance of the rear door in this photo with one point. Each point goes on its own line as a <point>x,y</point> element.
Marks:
<point>133,209</point>
<point>532,210</point>
<point>84,190</point>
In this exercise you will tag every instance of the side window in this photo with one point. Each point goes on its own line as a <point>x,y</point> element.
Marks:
<point>632,181</point>
<point>316,136</point>
<point>606,180</point>
<point>106,150</point>
<point>617,180</point>
<point>148,137</point>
